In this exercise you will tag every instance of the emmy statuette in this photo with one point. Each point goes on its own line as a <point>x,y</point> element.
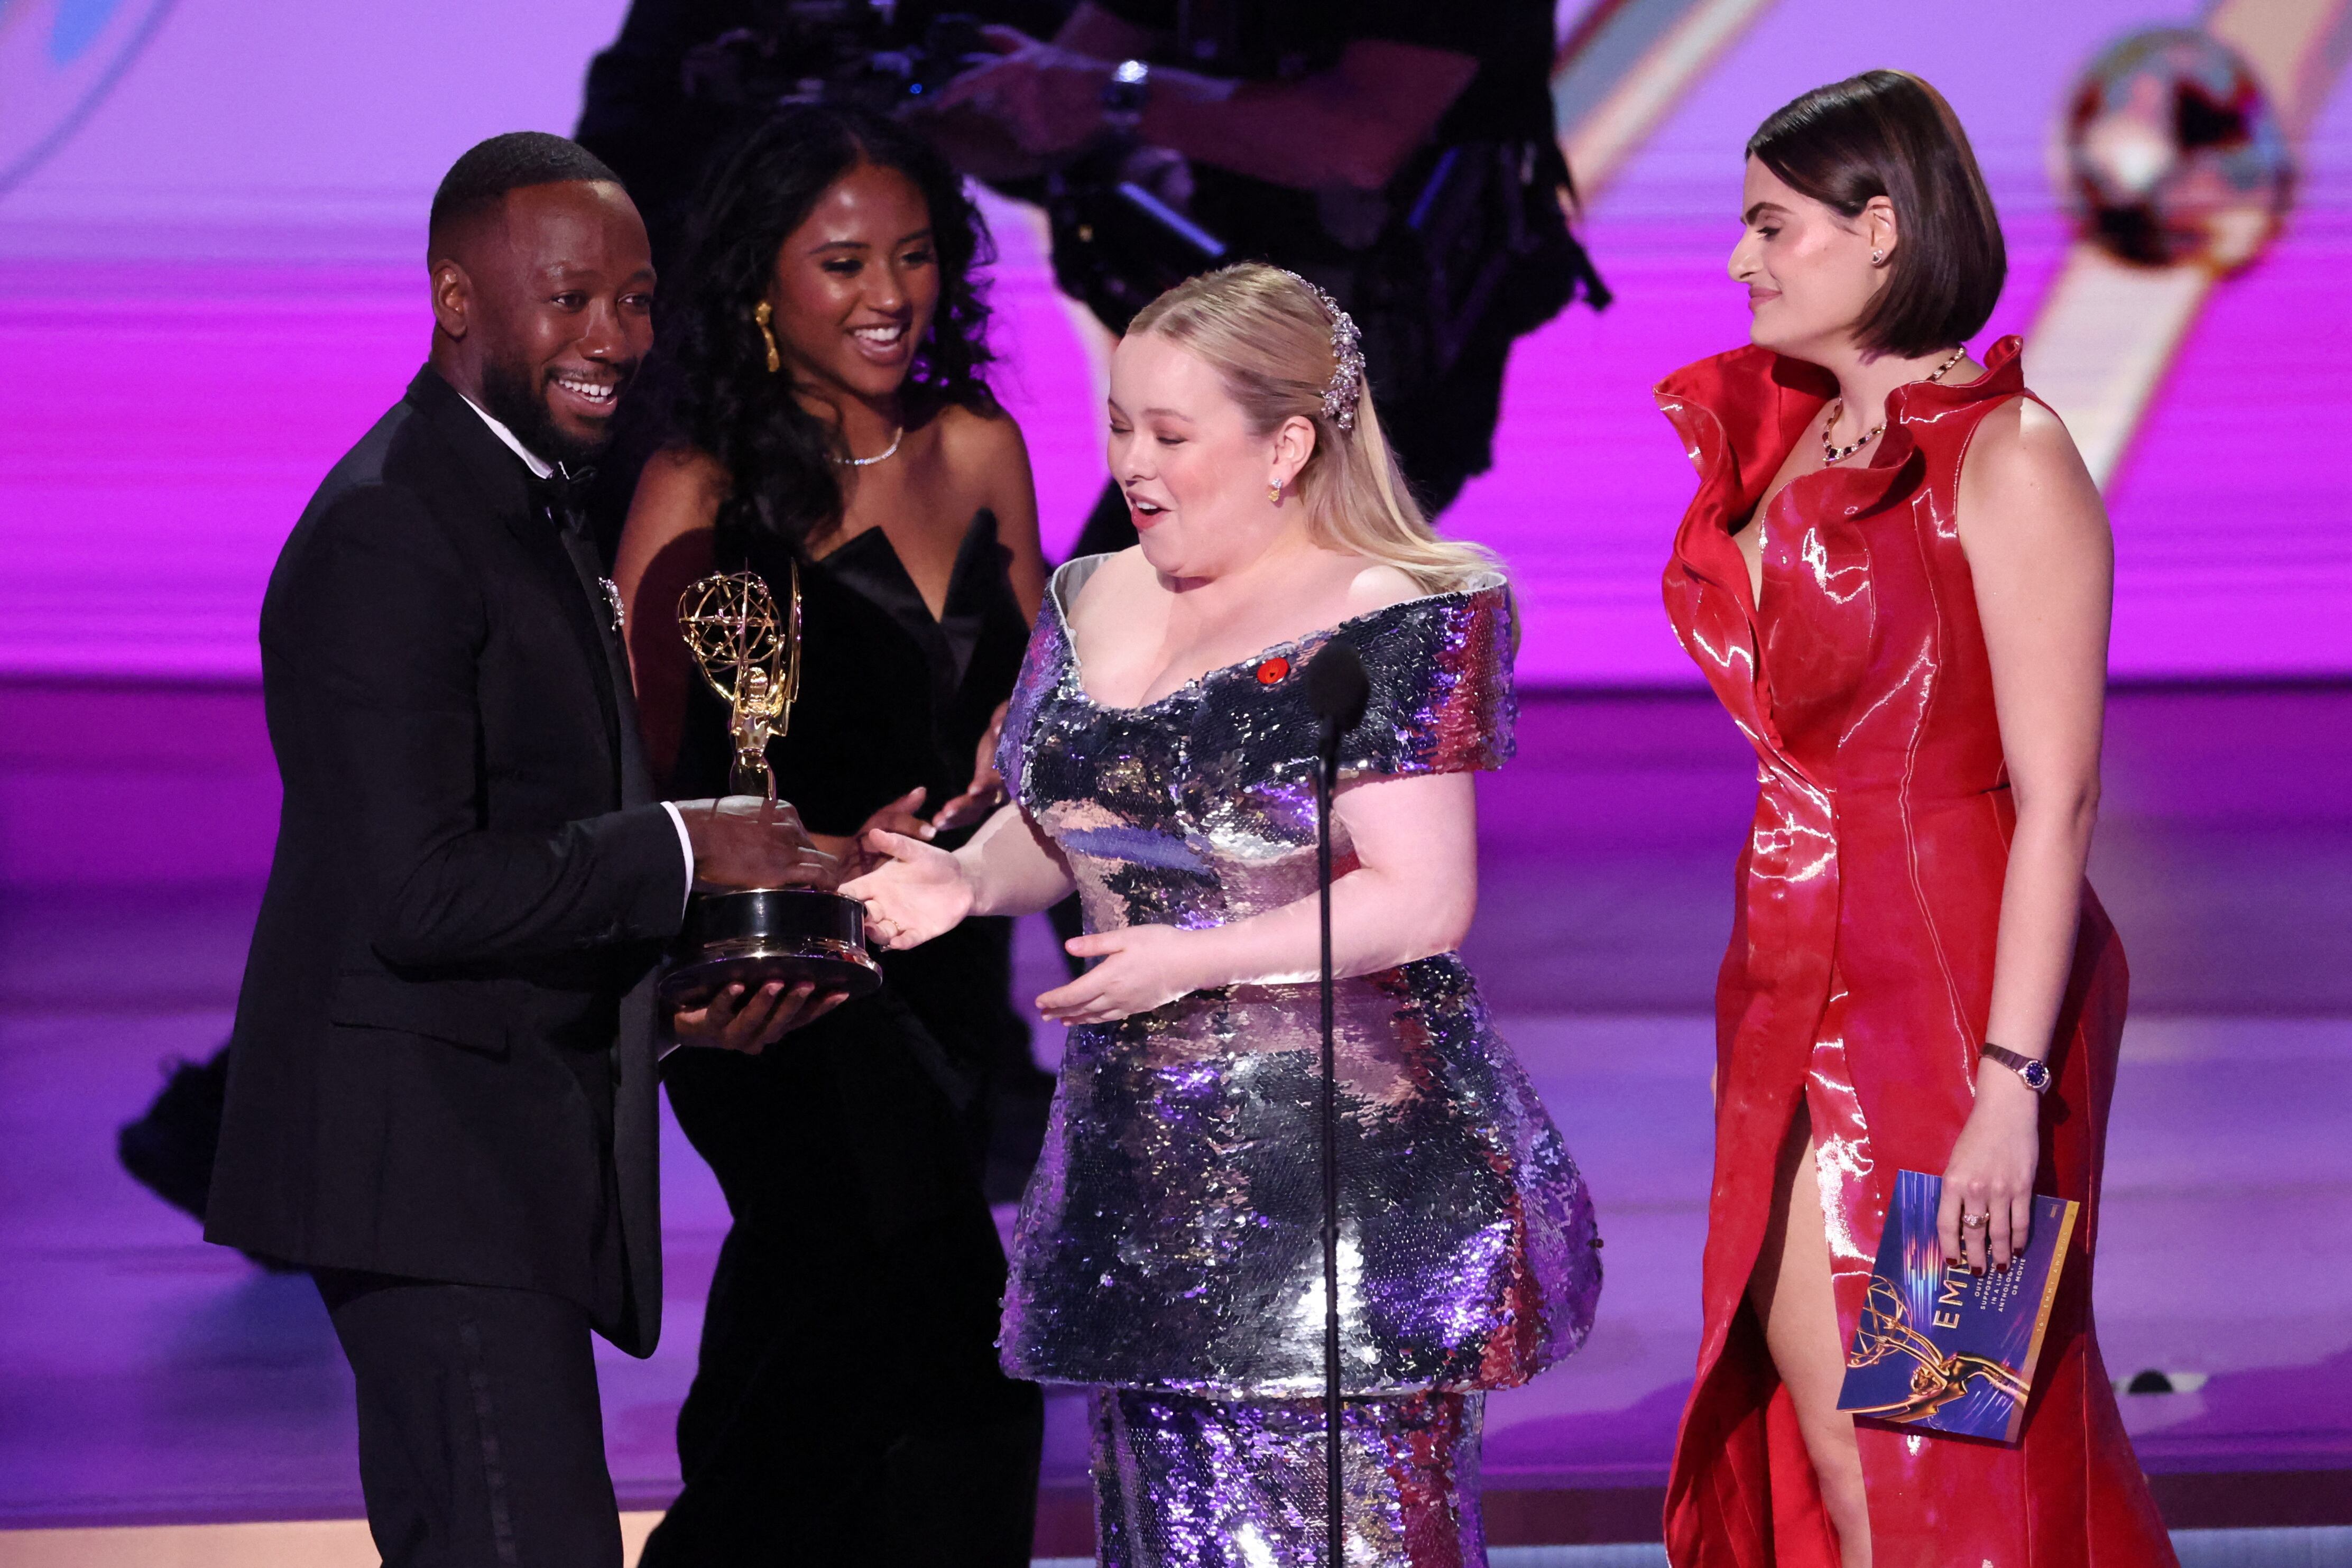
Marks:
<point>750,656</point>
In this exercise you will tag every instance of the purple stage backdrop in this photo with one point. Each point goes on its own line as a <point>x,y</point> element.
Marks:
<point>213,284</point>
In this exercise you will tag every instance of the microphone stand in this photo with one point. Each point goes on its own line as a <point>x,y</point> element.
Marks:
<point>1336,688</point>
<point>1325,778</point>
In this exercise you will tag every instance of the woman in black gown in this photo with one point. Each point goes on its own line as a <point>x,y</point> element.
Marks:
<point>817,402</point>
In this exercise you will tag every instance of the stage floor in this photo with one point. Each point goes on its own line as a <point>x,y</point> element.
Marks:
<point>145,1377</point>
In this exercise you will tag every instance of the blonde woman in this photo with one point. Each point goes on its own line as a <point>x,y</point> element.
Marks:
<point>1160,750</point>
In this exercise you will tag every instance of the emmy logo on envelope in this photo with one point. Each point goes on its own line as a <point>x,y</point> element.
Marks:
<point>1939,1347</point>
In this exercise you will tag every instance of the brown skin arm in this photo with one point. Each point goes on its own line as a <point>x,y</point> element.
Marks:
<point>995,448</point>
<point>990,446</point>
<point>1353,124</point>
<point>666,545</point>
<point>1091,30</point>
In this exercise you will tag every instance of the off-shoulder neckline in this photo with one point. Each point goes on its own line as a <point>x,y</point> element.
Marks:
<point>1489,582</point>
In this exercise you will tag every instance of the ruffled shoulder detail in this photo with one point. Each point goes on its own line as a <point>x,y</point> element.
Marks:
<point>1740,413</point>
<point>1443,697</point>
<point>2004,378</point>
<point>1927,427</point>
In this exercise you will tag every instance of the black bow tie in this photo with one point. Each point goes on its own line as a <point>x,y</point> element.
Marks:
<point>565,494</point>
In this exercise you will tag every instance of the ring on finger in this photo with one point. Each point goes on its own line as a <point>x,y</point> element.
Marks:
<point>1977,1221</point>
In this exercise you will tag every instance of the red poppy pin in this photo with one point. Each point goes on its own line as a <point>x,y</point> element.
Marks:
<point>1272,670</point>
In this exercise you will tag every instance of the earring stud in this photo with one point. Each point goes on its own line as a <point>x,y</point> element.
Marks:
<point>1879,259</point>
<point>764,313</point>
<point>1273,492</point>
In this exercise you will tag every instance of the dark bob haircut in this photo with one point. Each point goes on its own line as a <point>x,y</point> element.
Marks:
<point>707,384</point>
<point>1887,134</point>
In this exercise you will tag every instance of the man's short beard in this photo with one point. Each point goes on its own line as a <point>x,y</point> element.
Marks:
<point>512,396</point>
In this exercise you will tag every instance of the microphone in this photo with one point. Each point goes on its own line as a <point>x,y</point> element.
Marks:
<point>1337,691</point>
<point>1337,687</point>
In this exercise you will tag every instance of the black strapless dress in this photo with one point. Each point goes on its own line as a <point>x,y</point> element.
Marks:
<point>848,1406</point>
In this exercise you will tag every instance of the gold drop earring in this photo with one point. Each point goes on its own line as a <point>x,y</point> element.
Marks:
<point>1273,492</point>
<point>764,313</point>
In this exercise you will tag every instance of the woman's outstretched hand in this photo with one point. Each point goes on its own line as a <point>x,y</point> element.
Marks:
<point>1142,967</point>
<point>857,856</point>
<point>1990,1172</point>
<point>914,892</point>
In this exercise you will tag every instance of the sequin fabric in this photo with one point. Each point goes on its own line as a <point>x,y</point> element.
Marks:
<point>1209,1483</point>
<point>1172,1238</point>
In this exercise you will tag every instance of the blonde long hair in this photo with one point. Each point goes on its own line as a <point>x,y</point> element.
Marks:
<point>1269,340</point>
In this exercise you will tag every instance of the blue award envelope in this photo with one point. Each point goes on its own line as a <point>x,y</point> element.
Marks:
<point>1942,1348</point>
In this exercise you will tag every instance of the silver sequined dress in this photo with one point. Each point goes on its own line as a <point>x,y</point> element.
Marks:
<point>1169,1245</point>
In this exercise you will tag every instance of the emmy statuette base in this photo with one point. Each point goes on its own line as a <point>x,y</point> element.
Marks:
<point>759,934</point>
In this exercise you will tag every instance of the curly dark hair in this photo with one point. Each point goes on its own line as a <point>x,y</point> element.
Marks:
<point>708,384</point>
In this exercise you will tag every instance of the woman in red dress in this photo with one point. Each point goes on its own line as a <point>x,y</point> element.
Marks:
<point>1896,577</point>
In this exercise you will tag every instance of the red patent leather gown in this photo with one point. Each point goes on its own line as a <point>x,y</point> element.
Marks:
<point>1860,972</point>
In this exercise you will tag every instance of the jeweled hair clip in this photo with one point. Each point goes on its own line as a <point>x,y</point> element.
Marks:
<point>1347,384</point>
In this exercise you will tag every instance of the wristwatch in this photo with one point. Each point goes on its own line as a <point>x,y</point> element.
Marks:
<point>2035,1074</point>
<point>1124,96</point>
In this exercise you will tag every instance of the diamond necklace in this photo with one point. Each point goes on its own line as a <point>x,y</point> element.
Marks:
<point>1829,454</point>
<point>886,453</point>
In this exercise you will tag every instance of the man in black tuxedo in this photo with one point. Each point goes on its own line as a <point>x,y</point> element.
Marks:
<point>441,1083</point>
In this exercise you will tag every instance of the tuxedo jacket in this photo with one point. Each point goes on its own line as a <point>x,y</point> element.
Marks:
<point>444,1059</point>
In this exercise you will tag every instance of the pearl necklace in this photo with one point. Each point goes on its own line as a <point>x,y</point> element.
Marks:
<point>883,456</point>
<point>1839,454</point>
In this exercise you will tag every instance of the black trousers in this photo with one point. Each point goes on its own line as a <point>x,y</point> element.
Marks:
<point>481,1440</point>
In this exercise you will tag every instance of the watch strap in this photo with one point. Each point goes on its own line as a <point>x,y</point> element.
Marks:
<point>2035,1073</point>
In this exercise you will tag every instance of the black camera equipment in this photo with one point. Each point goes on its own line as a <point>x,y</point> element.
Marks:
<point>1471,239</point>
<point>1119,238</point>
<point>1475,242</point>
<point>831,51</point>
